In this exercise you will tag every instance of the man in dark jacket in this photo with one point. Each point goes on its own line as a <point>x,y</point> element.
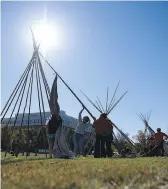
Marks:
<point>103,129</point>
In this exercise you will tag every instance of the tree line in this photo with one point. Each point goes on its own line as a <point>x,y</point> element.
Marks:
<point>38,138</point>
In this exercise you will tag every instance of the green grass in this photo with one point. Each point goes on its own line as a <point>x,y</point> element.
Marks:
<point>34,173</point>
<point>10,158</point>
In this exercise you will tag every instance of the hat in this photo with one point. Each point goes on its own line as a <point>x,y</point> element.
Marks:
<point>104,115</point>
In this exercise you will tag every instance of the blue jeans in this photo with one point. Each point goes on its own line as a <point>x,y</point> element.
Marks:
<point>51,139</point>
<point>78,142</point>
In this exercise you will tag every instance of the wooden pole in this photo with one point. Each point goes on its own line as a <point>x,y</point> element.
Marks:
<point>107,100</point>
<point>68,87</point>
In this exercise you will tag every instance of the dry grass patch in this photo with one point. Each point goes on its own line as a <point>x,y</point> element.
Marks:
<point>86,173</point>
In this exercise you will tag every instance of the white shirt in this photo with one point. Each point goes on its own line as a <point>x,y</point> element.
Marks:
<point>81,127</point>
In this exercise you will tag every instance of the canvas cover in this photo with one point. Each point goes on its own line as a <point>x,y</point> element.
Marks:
<point>54,106</point>
<point>60,149</point>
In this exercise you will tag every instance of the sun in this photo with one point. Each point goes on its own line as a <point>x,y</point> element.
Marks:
<point>48,35</point>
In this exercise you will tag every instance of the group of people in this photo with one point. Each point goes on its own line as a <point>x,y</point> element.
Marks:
<point>22,147</point>
<point>103,135</point>
<point>103,129</point>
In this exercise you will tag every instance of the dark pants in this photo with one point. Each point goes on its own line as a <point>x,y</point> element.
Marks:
<point>101,141</point>
<point>51,140</point>
<point>159,150</point>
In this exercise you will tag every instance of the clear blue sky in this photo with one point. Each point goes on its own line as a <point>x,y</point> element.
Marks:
<point>105,42</point>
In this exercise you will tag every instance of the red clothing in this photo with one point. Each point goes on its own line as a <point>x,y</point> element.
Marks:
<point>152,141</point>
<point>102,125</point>
<point>159,137</point>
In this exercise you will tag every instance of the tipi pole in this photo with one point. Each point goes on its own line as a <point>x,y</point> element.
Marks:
<point>107,99</point>
<point>100,104</point>
<point>111,102</point>
<point>125,136</point>
<point>18,85</point>
<point>68,87</point>
<point>114,105</point>
<point>91,102</point>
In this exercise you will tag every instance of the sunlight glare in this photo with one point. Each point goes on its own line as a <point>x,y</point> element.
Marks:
<point>48,35</point>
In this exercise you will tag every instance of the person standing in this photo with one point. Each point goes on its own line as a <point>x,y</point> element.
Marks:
<point>159,141</point>
<point>79,133</point>
<point>103,129</point>
<point>53,125</point>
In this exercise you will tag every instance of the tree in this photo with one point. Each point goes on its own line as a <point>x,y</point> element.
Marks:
<point>141,141</point>
<point>122,143</point>
<point>121,140</point>
<point>6,138</point>
<point>43,141</point>
<point>19,134</point>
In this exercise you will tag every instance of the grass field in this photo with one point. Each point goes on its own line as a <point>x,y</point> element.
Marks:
<point>41,173</point>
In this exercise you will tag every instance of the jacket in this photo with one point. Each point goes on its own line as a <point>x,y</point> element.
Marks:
<point>102,126</point>
<point>53,125</point>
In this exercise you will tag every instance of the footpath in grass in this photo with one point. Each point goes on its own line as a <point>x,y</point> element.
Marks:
<point>89,173</point>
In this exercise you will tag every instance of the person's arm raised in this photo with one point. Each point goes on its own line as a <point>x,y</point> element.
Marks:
<point>80,115</point>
